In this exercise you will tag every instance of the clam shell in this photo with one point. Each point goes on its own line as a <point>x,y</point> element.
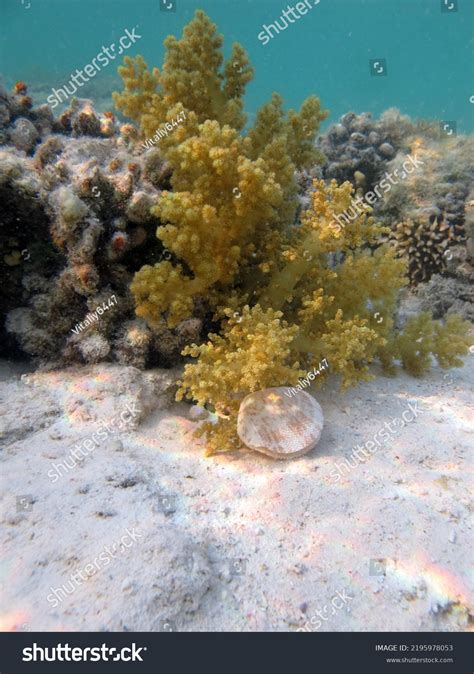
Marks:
<point>281,427</point>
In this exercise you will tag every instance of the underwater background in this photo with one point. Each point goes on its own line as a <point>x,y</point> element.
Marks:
<point>187,300</point>
<point>427,47</point>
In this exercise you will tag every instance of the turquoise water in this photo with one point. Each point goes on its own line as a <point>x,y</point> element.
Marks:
<point>428,52</point>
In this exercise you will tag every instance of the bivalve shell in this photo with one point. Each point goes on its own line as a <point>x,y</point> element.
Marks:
<point>278,424</point>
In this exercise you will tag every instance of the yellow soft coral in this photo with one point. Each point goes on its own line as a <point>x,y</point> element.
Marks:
<point>140,88</point>
<point>220,202</point>
<point>253,352</point>
<point>283,295</point>
<point>422,337</point>
<point>316,237</point>
<point>193,77</point>
<point>232,194</point>
<point>339,311</point>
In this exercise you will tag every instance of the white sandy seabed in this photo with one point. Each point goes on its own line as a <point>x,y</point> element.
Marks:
<point>142,532</point>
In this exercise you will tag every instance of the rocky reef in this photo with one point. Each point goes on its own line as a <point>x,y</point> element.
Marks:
<point>428,207</point>
<point>359,148</point>
<point>432,214</point>
<point>453,291</point>
<point>76,224</point>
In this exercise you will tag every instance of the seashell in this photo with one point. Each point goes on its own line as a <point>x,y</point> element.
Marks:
<point>280,423</point>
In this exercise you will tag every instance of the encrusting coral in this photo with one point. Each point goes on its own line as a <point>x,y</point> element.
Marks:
<point>284,295</point>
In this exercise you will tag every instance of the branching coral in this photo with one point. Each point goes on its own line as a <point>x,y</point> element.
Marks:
<point>232,194</point>
<point>424,244</point>
<point>193,77</point>
<point>339,311</point>
<point>252,353</point>
<point>284,295</point>
<point>428,208</point>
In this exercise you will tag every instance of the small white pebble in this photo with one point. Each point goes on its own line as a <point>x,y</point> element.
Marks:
<point>452,537</point>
